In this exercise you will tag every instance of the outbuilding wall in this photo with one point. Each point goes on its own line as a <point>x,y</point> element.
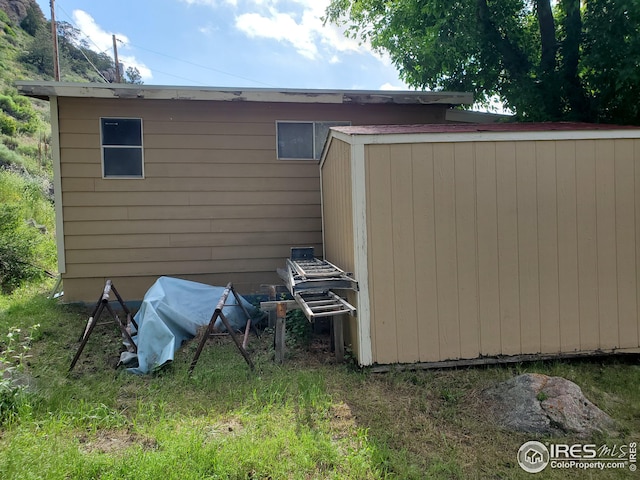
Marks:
<point>487,248</point>
<point>337,214</point>
<point>215,204</point>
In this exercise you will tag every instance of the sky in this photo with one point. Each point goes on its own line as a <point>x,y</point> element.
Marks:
<point>229,43</point>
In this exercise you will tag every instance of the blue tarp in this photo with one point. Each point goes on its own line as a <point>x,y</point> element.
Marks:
<point>172,312</point>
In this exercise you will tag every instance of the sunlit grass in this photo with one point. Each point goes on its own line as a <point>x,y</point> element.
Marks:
<point>304,419</point>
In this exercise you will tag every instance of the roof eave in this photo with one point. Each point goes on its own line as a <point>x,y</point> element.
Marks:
<point>45,90</point>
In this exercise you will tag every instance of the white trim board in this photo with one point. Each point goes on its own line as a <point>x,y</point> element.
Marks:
<point>453,137</point>
<point>57,184</point>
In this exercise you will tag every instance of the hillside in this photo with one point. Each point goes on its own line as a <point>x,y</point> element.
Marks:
<point>27,219</point>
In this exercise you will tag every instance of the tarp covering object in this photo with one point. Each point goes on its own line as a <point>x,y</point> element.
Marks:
<point>172,312</point>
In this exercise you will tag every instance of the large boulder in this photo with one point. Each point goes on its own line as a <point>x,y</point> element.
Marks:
<point>535,403</point>
<point>16,10</point>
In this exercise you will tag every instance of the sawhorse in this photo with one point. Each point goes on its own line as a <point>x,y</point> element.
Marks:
<point>101,304</point>
<point>218,313</point>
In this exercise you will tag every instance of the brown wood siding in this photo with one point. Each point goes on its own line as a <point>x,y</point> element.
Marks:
<point>503,248</point>
<point>215,203</point>
<point>337,211</point>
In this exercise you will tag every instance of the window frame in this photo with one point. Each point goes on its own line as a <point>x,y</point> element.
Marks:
<point>316,149</point>
<point>112,147</point>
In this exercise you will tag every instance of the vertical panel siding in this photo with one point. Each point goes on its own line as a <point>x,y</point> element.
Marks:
<point>547,202</point>
<point>528,273</point>
<point>488,274</point>
<point>337,208</point>
<point>466,246</point>
<point>508,271</point>
<point>567,247</point>
<point>626,243</point>
<point>213,163</point>
<point>587,244</point>
<point>507,247</point>
<point>381,270</point>
<point>606,238</point>
<point>404,264</point>
<point>337,213</point>
<point>424,248</point>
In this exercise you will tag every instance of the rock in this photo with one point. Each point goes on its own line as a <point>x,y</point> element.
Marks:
<point>535,403</point>
<point>16,10</point>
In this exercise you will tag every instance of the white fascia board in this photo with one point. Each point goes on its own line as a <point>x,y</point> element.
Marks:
<point>57,184</point>
<point>551,135</point>
<point>360,246</point>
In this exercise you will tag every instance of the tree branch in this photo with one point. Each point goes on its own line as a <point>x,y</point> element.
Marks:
<point>513,59</point>
<point>547,36</point>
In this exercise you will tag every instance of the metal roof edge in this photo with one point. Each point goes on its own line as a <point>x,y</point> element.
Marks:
<point>50,89</point>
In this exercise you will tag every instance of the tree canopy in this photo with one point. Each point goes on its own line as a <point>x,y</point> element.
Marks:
<point>544,59</point>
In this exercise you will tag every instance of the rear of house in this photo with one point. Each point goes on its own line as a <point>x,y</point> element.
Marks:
<point>212,185</point>
<point>486,241</point>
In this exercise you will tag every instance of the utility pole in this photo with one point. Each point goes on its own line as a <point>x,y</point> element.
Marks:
<point>54,35</point>
<point>115,57</point>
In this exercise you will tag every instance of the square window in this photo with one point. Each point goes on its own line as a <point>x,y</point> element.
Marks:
<point>122,152</point>
<point>295,140</point>
<point>302,140</point>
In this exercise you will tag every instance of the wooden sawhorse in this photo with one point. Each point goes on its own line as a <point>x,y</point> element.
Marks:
<point>101,304</point>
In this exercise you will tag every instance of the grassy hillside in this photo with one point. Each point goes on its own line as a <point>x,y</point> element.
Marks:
<point>27,222</point>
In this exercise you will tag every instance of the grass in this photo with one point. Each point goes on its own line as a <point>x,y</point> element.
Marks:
<point>309,418</point>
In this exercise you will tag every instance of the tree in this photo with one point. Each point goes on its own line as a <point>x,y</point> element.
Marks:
<point>544,60</point>
<point>33,20</point>
<point>132,75</point>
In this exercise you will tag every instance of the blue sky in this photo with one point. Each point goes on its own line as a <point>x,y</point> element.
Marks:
<point>229,43</point>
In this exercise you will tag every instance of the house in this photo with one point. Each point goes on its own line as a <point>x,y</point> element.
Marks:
<point>483,243</point>
<point>207,184</point>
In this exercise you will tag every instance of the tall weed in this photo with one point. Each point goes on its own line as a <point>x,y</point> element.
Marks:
<point>26,249</point>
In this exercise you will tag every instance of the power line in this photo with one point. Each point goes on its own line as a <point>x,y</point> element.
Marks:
<point>202,66</point>
<point>75,26</point>
<point>170,57</point>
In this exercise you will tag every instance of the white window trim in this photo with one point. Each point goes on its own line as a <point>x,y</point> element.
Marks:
<point>314,147</point>
<point>141,147</point>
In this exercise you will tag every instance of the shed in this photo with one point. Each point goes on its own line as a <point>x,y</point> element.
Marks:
<point>203,183</point>
<point>479,243</point>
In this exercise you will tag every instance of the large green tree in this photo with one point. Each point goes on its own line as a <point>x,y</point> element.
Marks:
<point>544,59</point>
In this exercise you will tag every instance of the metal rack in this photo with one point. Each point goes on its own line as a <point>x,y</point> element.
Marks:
<point>311,281</point>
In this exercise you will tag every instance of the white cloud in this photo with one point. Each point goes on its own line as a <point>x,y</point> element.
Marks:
<point>391,86</point>
<point>281,27</point>
<point>299,23</point>
<point>100,40</point>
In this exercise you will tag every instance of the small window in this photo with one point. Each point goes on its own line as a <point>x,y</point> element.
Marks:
<point>303,140</point>
<point>121,140</point>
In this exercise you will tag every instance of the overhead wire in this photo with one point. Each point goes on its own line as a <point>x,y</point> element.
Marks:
<point>160,54</point>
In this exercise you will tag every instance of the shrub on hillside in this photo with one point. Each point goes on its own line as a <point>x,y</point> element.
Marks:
<point>20,108</point>
<point>18,250</point>
<point>8,125</point>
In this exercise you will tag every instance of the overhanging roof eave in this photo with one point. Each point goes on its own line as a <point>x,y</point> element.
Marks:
<point>47,90</point>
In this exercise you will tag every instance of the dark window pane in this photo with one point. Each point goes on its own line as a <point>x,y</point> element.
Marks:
<point>121,131</point>
<point>295,140</point>
<point>322,132</point>
<point>122,162</point>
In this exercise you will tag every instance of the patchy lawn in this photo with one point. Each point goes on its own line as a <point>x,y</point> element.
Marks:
<point>309,418</point>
